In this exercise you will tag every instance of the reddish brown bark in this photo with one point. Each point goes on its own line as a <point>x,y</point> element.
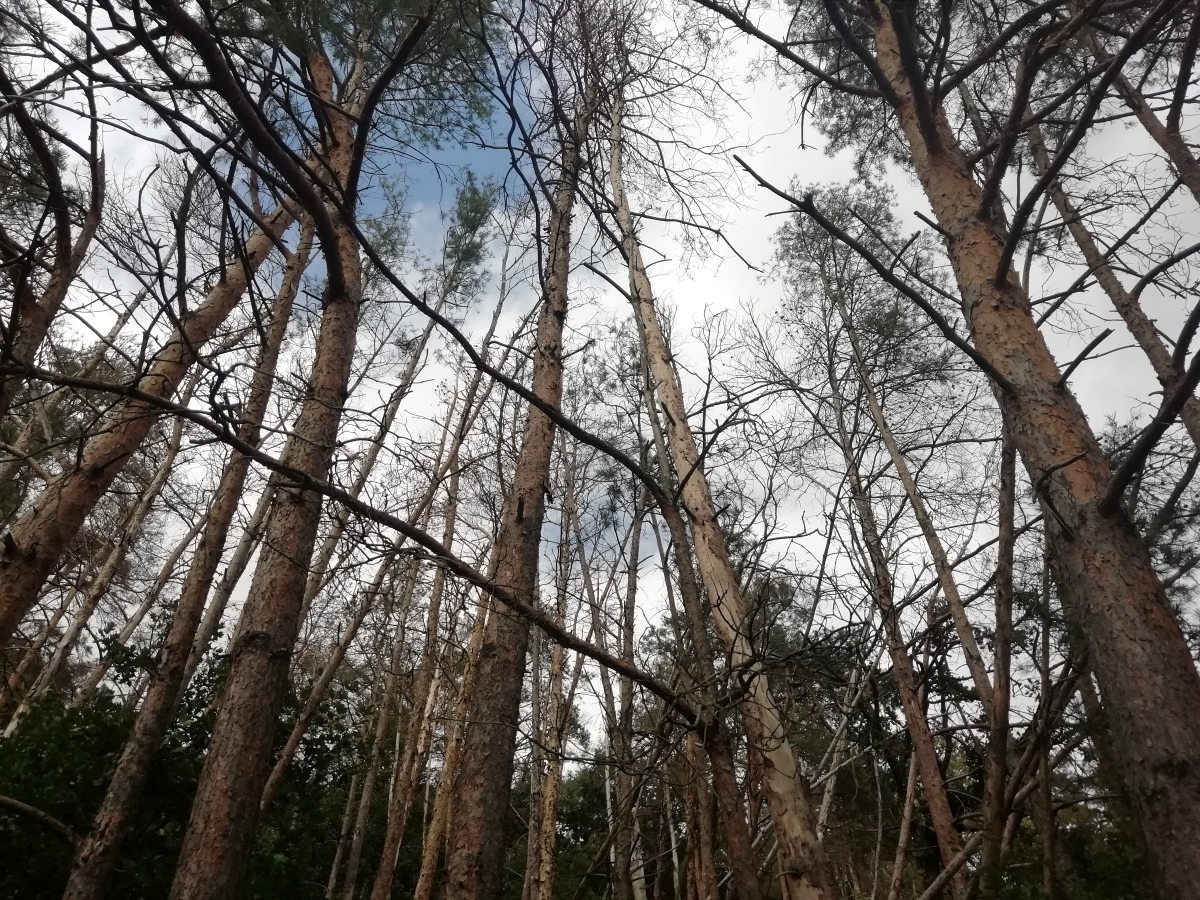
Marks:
<point>1140,656</point>
<point>475,845</point>
<point>41,534</point>
<point>217,844</point>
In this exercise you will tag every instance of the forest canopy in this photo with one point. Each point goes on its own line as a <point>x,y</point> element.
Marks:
<point>599,450</point>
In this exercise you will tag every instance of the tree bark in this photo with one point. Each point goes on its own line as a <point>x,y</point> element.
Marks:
<point>802,859</point>
<point>219,836</point>
<point>43,532</point>
<point>1127,306</point>
<point>1140,656</point>
<point>476,844</point>
<point>936,797</point>
<point>439,822</point>
<point>97,855</point>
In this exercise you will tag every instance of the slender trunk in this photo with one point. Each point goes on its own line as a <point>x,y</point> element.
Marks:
<point>1167,138</point>
<point>100,584</point>
<point>347,815</point>
<point>994,812</point>
<point>33,654</point>
<point>411,765</point>
<point>556,721</point>
<point>439,822</point>
<point>97,854</point>
<point>221,513</point>
<point>320,565</point>
<point>41,534</point>
<point>941,563</point>
<point>743,869</point>
<point>801,856</point>
<point>700,832</point>
<point>1140,325</point>
<point>131,625</point>
<point>936,796</point>
<point>476,844</point>
<point>902,842</point>
<point>389,704</point>
<point>1141,657</point>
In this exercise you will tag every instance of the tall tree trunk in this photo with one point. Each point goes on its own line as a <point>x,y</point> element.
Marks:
<point>476,844</point>
<point>39,537</point>
<point>936,796</point>
<point>97,854</point>
<point>439,822</point>
<point>389,705</point>
<point>1127,306</point>
<point>802,859</point>
<point>97,590</point>
<point>941,563</point>
<point>1140,655</point>
<point>995,779</point>
<point>219,837</point>
<point>165,572</point>
<point>743,868</point>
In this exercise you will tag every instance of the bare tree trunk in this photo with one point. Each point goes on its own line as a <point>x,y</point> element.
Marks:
<point>995,779</point>
<point>936,797</point>
<point>41,534</point>
<point>439,822</point>
<point>217,844</point>
<point>226,505</point>
<point>743,869</point>
<point>347,815</point>
<point>96,591</point>
<point>902,842</point>
<point>32,655</point>
<point>389,704</point>
<point>98,853</point>
<point>1167,137</point>
<point>152,596</point>
<point>700,837</point>
<point>1140,655</point>
<point>801,856</point>
<point>540,876</point>
<point>476,844</point>
<point>1126,305</point>
<point>941,564</point>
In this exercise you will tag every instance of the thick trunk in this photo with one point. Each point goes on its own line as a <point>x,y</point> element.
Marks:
<point>98,853</point>
<point>801,856</point>
<point>1140,656</point>
<point>42,533</point>
<point>219,837</point>
<point>476,844</point>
